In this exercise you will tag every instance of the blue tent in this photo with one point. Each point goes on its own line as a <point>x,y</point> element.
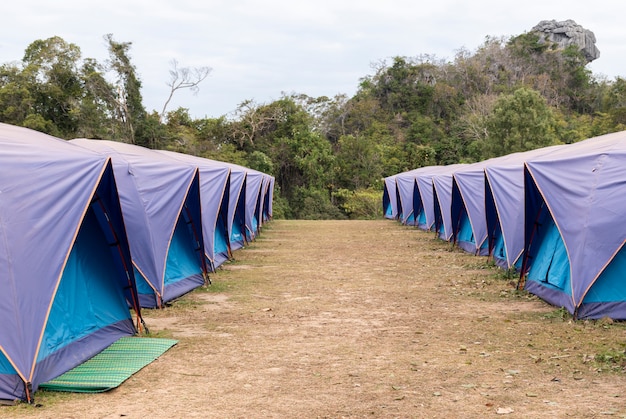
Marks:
<point>269,198</point>
<point>216,196</point>
<point>391,198</point>
<point>253,194</point>
<point>237,209</point>
<point>160,200</point>
<point>574,255</point>
<point>504,206</point>
<point>65,267</point>
<point>267,180</point>
<point>411,208</point>
<point>442,200</point>
<point>423,199</point>
<point>469,225</point>
<point>254,202</point>
<point>469,220</point>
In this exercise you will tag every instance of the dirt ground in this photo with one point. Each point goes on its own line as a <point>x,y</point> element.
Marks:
<point>362,319</point>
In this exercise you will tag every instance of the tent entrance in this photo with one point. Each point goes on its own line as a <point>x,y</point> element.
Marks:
<point>183,271</point>
<point>550,265</point>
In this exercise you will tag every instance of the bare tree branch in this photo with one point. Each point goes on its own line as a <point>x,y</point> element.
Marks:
<point>184,78</point>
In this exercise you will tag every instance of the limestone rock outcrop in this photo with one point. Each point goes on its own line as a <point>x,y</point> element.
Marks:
<point>568,33</point>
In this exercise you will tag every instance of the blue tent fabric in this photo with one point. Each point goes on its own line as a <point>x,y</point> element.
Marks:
<point>390,198</point>
<point>58,205</point>
<point>423,200</point>
<point>219,195</point>
<point>442,200</point>
<point>157,193</point>
<point>469,204</point>
<point>254,181</point>
<point>268,198</point>
<point>469,224</point>
<point>237,209</point>
<point>504,205</point>
<point>411,208</point>
<point>574,242</point>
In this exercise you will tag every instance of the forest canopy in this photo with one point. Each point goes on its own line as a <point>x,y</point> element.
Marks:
<point>330,154</point>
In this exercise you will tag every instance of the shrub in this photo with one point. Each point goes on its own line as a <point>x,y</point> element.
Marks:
<point>362,204</point>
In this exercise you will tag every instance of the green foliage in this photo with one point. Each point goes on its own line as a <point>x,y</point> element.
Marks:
<point>560,314</point>
<point>314,204</point>
<point>329,155</point>
<point>611,360</point>
<point>362,204</point>
<point>358,161</point>
<point>260,161</point>
<point>280,206</point>
<point>519,122</point>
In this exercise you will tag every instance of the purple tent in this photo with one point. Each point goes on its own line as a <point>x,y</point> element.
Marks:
<point>469,220</point>
<point>411,209</point>
<point>160,200</point>
<point>504,206</point>
<point>391,198</point>
<point>65,267</point>
<point>575,201</point>
<point>218,201</point>
<point>269,198</point>
<point>254,202</point>
<point>423,199</point>
<point>442,200</point>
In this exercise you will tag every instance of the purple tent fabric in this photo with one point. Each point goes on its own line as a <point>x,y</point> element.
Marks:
<point>583,187</point>
<point>58,201</point>
<point>390,198</point>
<point>269,198</point>
<point>218,196</point>
<point>442,197</point>
<point>468,203</point>
<point>424,181</point>
<point>155,192</point>
<point>504,201</point>
<point>254,202</point>
<point>406,183</point>
<point>468,209</point>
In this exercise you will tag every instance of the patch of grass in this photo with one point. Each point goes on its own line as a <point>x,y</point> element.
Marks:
<point>215,287</point>
<point>611,360</point>
<point>185,303</point>
<point>558,314</point>
<point>507,274</point>
<point>161,333</point>
<point>43,399</point>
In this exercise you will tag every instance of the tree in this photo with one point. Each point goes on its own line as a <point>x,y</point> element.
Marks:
<point>358,162</point>
<point>519,122</point>
<point>98,103</point>
<point>184,78</point>
<point>16,95</point>
<point>129,111</point>
<point>50,72</point>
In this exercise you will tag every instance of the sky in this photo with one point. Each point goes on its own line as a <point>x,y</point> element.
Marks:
<point>260,50</point>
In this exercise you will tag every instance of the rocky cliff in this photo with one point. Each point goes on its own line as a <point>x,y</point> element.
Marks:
<point>568,33</point>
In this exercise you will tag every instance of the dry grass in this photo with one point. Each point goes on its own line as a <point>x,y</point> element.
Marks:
<point>355,319</point>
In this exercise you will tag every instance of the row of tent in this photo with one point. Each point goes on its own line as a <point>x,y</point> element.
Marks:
<point>92,231</point>
<point>555,215</point>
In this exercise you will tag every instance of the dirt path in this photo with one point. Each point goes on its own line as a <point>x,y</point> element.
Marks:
<point>361,319</point>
